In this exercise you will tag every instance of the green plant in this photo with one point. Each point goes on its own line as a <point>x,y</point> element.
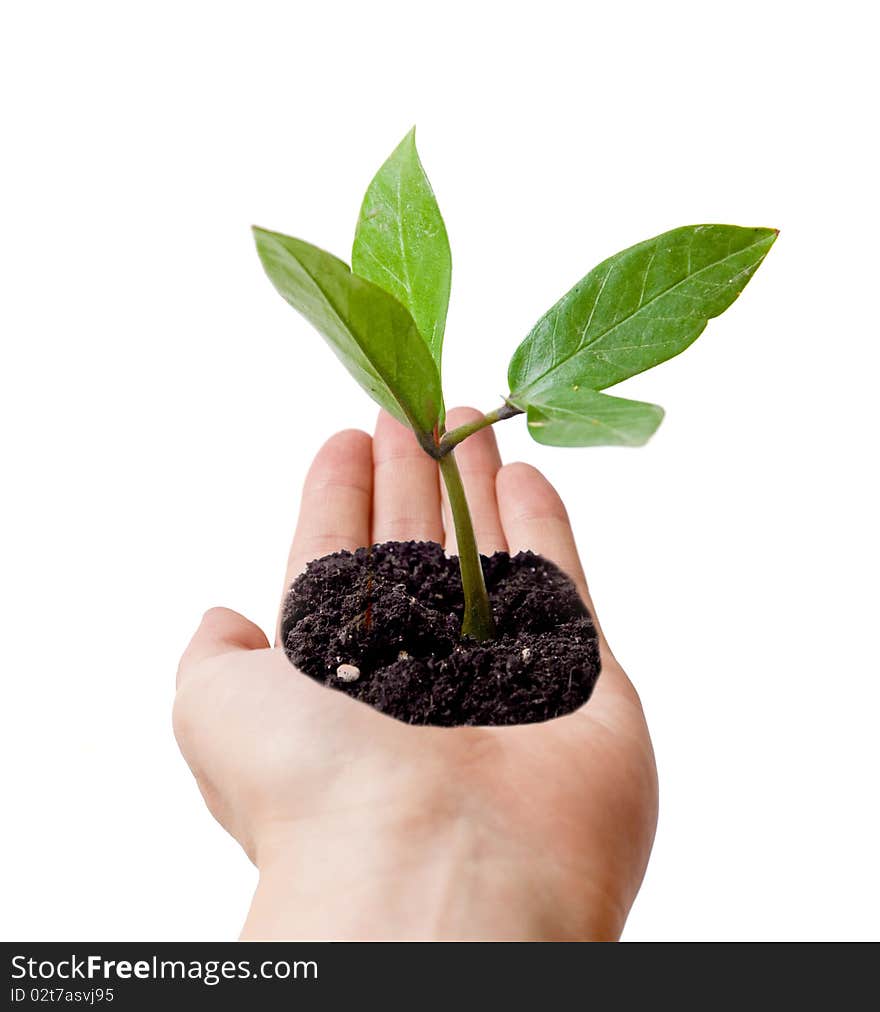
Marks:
<point>385,317</point>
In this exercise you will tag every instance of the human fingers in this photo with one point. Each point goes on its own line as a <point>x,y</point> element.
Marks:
<point>221,631</point>
<point>334,511</point>
<point>406,492</point>
<point>535,519</point>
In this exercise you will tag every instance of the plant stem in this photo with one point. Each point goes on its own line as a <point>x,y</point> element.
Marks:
<point>478,622</point>
<point>455,436</point>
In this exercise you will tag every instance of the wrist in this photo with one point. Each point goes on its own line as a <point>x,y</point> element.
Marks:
<point>426,877</point>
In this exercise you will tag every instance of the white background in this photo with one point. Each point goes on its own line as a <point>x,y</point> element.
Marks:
<point>160,406</point>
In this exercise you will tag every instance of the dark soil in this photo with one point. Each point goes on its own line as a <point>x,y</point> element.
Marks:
<point>394,612</point>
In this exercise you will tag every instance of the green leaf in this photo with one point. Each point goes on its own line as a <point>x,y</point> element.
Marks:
<point>637,309</point>
<point>374,337</point>
<point>401,245</point>
<point>586,418</point>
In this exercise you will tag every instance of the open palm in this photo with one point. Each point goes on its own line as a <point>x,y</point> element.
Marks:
<point>364,827</point>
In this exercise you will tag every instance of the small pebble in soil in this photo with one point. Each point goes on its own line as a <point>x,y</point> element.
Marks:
<point>348,673</point>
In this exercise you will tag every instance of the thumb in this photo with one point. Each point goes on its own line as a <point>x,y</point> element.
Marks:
<point>221,631</point>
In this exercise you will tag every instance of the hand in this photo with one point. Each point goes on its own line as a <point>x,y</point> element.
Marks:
<point>364,827</point>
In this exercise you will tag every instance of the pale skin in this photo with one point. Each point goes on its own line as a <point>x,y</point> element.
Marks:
<point>363,827</point>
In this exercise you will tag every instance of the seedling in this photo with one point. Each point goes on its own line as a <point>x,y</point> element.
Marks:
<point>385,318</point>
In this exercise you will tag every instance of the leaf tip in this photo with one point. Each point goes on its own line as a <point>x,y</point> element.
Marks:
<point>409,140</point>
